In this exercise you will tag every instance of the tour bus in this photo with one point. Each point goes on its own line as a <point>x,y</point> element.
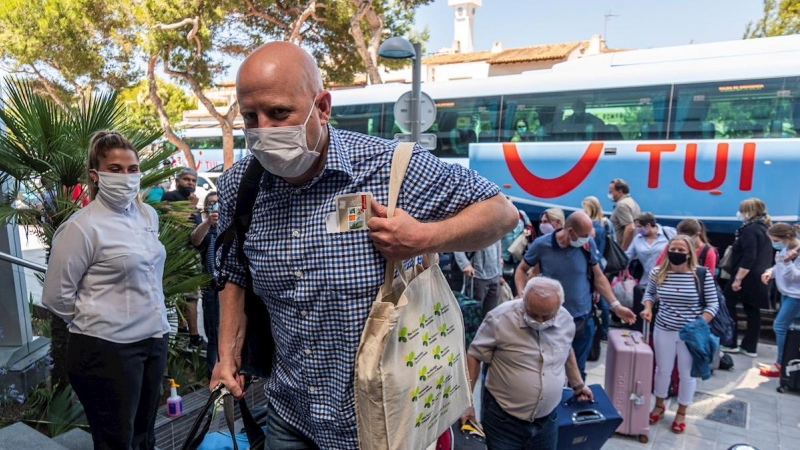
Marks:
<point>693,129</point>
<point>206,147</point>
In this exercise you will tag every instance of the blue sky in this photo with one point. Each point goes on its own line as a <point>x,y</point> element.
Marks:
<point>639,23</point>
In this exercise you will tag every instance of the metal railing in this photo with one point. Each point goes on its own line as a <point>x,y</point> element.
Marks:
<point>22,262</point>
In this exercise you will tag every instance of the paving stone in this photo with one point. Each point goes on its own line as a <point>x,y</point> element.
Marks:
<point>19,436</point>
<point>75,439</point>
<point>696,443</point>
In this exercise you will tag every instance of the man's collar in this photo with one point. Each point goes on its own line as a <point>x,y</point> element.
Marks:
<point>555,239</point>
<point>338,158</point>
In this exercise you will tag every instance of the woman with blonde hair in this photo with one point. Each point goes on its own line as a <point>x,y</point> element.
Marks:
<point>602,229</point>
<point>104,278</point>
<point>786,273</point>
<point>552,219</point>
<point>751,256</point>
<point>674,284</point>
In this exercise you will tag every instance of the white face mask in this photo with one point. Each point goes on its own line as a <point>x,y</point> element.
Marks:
<point>740,216</point>
<point>283,151</point>
<point>580,242</point>
<point>611,197</point>
<point>118,188</point>
<point>538,326</point>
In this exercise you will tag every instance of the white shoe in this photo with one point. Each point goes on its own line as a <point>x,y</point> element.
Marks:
<point>730,349</point>
<point>746,353</point>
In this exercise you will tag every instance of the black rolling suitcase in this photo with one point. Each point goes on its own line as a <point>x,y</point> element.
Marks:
<point>790,362</point>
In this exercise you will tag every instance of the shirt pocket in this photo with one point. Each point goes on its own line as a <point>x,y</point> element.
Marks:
<point>351,264</point>
<point>556,357</point>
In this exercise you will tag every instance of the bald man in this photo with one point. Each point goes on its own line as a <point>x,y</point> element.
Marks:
<point>319,284</point>
<point>569,256</point>
<point>522,341</point>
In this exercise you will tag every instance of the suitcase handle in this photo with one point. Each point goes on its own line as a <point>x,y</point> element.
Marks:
<point>574,399</point>
<point>587,417</point>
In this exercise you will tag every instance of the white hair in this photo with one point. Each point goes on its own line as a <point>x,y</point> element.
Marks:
<point>544,287</point>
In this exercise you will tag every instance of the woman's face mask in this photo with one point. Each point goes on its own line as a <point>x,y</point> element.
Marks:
<point>118,188</point>
<point>283,151</point>
<point>546,228</point>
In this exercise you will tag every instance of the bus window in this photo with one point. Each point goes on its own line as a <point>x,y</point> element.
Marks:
<point>459,122</point>
<point>745,109</point>
<point>608,114</point>
<point>365,119</point>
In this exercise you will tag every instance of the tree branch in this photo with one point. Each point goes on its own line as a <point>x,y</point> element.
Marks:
<point>364,9</point>
<point>192,36</point>
<point>296,36</point>
<point>162,113</point>
<point>49,87</point>
<point>253,12</point>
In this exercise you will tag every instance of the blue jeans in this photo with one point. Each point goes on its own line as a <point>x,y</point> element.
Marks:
<point>582,344</point>
<point>790,310</point>
<point>506,432</point>
<point>282,436</point>
<point>211,326</point>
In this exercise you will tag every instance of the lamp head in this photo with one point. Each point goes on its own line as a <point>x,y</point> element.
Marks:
<point>397,48</point>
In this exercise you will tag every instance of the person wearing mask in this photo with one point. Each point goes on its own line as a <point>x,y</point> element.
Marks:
<point>522,133</point>
<point>186,183</point>
<point>104,278</point>
<point>521,341</point>
<point>751,256</point>
<point>602,228</point>
<point>674,285</point>
<point>625,211</point>
<point>706,253</point>
<point>651,239</point>
<point>204,238</point>
<point>786,273</point>
<point>319,287</point>
<point>552,219</point>
<point>560,255</point>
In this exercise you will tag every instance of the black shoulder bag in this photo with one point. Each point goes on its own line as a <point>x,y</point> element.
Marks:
<point>259,345</point>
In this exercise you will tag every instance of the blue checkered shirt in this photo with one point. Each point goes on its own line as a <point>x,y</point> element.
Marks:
<point>319,287</point>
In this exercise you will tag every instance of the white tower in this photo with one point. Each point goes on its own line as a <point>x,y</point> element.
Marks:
<point>464,23</point>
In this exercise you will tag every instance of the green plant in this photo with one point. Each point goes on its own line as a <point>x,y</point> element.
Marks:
<point>180,369</point>
<point>63,412</point>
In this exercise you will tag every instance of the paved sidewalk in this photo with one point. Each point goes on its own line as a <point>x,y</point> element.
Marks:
<point>773,419</point>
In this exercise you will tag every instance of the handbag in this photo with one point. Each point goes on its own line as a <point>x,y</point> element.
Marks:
<point>410,370</point>
<point>726,263</point>
<point>505,293</point>
<point>616,259</point>
<point>518,247</point>
<point>622,286</point>
<point>722,325</point>
<point>199,438</point>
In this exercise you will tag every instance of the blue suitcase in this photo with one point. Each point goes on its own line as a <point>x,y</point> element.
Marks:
<point>584,425</point>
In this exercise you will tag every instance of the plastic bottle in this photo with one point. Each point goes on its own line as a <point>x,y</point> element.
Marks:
<point>175,401</point>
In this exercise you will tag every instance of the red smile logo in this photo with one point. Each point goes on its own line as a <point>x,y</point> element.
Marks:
<point>551,187</point>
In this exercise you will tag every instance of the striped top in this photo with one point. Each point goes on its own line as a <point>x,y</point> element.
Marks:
<point>678,301</point>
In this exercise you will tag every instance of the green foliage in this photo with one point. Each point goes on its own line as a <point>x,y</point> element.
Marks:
<point>781,18</point>
<point>187,370</point>
<point>73,44</point>
<point>64,412</point>
<point>140,109</point>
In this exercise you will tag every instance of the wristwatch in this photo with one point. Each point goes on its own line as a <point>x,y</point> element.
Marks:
<point>578,387</point>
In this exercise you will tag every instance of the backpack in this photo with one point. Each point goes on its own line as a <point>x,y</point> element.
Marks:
<point>259,345</point>
<point>722,326</point>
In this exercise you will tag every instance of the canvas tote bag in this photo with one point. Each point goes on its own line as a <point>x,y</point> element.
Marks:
<point>410,373</point>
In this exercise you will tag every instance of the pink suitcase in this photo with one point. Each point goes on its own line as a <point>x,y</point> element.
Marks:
<point>629,379</point>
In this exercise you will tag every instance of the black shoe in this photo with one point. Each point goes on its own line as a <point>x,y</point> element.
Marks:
<point>196,341</point>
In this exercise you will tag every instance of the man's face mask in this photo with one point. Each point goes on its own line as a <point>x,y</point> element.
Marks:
<point>538,326</point>
<point>283,151</point>
<point>580,241</point>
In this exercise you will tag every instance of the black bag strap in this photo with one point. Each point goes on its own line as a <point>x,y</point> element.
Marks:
<point>255,434</point>
<point>243,215</point>
<point>701,259</point>
<point>700,283</point>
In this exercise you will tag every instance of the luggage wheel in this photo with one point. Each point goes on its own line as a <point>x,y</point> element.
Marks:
<point>643,438</point>
<point>781,389</point>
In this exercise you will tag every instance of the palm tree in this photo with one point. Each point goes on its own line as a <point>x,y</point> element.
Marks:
<point>44,153</point>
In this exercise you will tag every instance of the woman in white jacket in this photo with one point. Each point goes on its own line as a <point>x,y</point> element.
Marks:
<point>786,273</point>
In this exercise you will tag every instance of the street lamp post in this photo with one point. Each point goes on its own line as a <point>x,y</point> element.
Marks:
<point>400,48</point>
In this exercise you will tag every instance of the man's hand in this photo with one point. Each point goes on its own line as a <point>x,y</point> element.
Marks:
<point>399,238</point>
<point>469,414</point>
<point>213,217</point>
<point>193,200</point>
<point>584,395</point>
<point>766,276</point>
<point>737,285</point>
<point>469,271</point>
<point>625,314</point>
<point>227,374</point>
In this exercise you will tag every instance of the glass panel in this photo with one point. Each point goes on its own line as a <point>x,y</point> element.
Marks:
<point>766,108</point>
<point>364,119</point>
<point>459,122</point>
<point>609,114</point>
